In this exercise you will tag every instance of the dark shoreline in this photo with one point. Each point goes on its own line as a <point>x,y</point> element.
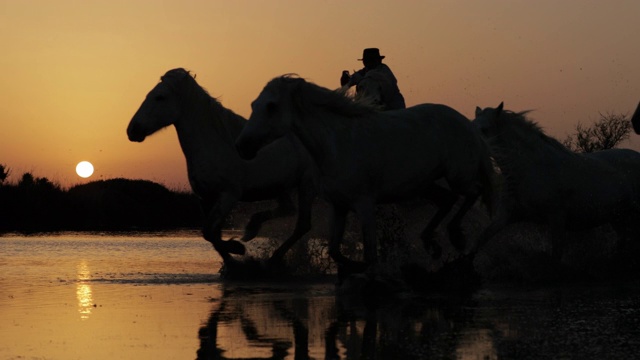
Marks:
<point>37,205</point>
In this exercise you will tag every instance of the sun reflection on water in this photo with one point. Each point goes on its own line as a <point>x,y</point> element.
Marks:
<point>83,291</point>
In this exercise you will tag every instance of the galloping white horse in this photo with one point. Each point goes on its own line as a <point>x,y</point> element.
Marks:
<point>207,132</point>
<point>368,157</point>
<point>547,183</point>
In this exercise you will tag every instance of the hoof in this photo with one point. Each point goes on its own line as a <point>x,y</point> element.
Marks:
<point>252,229</point>
<point>233,247</point>
<point>249,234</point>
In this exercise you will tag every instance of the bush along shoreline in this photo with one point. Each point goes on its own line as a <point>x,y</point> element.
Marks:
<point>38,205</point>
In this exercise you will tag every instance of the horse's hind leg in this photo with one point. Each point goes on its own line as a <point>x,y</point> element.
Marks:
<point>506,214</point>
<point>306,194</point>
<point>212,233</point>
<point>346,266</point>
<point>338,223</point>
<point>366,212</point>
<point>455,225</point>
<point>285,208</point>
<point>444,200</point>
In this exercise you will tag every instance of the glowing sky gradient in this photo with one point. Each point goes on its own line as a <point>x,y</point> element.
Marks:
<point>74,72</point>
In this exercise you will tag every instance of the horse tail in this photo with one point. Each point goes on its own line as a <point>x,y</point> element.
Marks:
<point>635,120</point>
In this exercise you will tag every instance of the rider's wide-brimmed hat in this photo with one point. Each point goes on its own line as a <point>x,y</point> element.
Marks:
<point>371,54</point>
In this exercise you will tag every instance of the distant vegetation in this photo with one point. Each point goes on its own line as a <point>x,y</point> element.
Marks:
<point>4,172</point>
<point>606,133</point>
<point>35,204</point>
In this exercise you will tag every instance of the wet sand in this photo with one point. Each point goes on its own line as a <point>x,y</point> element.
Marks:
<point>88,296</point>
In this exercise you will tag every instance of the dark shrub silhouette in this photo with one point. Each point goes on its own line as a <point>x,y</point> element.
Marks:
<point>606,133</point>
<point>34,204</point>
<point>4,173</point>
<point>37,204</point>
<point>121,204</point>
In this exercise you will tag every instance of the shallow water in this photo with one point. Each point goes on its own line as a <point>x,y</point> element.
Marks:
<point>158,296</point>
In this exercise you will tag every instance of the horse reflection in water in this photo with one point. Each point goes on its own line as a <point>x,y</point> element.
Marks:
<point>368,157</point>
<point>547,183</point>
<point>236,307</point>
<point>244,324</point>
<point>207,131</point>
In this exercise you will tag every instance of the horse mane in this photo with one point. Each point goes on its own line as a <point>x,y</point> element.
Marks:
<point>307,96</point>
<point>174,75</point>
<point>227,123</point>
<point>527,131</point>
<point>519,140</point>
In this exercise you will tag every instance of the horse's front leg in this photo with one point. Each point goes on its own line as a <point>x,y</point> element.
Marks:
<point>212,231</point>
<point>208,334</point>
<point>285,208</point>
<point>456,235</point>
<point>366,213</point>
<point>500,221</point>
<point>445,200</point>
<point>306,194</point>
<point>346,266</point>
<point>338,222</point>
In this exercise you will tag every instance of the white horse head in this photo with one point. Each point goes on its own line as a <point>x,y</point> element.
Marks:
<point>160,108</point>
<point>207,131</point>
<point>486,120</point>
<point>286,98</point>
<point>546,182</point>
<point>271,116</point>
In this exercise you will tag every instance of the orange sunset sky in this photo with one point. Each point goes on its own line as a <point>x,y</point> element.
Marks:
<point>74,72</point>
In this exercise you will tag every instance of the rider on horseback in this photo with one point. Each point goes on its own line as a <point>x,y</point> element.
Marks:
<point>376,81</point>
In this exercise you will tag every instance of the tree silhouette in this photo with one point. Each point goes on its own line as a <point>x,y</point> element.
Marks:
<point>606,133</point>
<point>37,204</point>
<point>4,173</point>
<point>27,180</point>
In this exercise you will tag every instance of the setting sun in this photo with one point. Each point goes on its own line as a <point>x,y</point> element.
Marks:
<point>84,169</point>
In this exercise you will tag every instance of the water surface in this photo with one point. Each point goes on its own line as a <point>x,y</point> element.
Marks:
<point>158,296</point>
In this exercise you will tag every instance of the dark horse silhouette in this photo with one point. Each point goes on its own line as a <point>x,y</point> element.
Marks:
<point>207,132</point>
<point>367,157</point>
<point>549,184</point>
